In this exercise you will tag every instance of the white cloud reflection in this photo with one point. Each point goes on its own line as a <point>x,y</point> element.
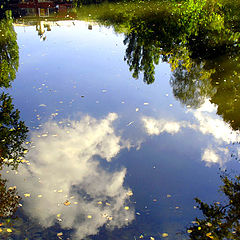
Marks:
<point>206,122</point>
<point>65,166</point>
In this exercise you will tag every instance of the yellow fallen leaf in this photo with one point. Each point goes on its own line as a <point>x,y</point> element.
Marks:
<point>67,203</point>
<point>59,215</point>
<point>89,216</point>
<point>199,228</point>
<point>9,230</point>
<point>126,208</point>
<point>152,238</point>
<point>60,234</point>
<point>27,195</point>
<point>141,236</point>
<point>130,193</point>
<point>208,224</point>
<point>165,235</point>
<point>1,230</point>
<point>189,231</point>
<point>168,196</point>
<point>39,195</point>
<point>60,190</point>
<point>75,202</point>
<point>108,204</point>
<point>99,202</point>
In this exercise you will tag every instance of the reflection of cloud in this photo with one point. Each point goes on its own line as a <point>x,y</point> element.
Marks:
<point>207,122</point>
<point>65,161</point>
<point>211,124</point>
<point>212,156</point>
<point>158,126</point>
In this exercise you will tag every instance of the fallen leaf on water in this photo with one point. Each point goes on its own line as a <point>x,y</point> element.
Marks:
<point>165,235</point>
<point>42,105</point>
<point>130,193</point>
<point>67,203</point>
<point>60,234</point>
<point>168,196</point>
<point>208,224</point>
<point>130,123</point>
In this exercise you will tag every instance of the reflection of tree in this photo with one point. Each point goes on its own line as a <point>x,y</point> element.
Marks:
<point>13,132</point>
<point>191,88</point>
<point>227,96</point>
<point>221,221</point>
<point>141,55</point>
<point>146,40</point>
<point>9,200</point>
<point>9,56</point>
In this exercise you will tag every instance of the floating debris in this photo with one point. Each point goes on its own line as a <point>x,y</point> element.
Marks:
<point>67,203</point>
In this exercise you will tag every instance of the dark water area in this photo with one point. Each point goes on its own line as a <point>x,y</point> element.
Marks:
<point>114,117</point>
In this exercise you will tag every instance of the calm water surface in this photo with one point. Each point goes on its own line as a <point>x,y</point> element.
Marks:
<point>110,157</point>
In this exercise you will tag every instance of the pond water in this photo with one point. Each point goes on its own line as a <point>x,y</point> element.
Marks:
<point>109,156</point>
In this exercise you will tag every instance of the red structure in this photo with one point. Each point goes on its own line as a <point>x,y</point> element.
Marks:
<point>42,8</point>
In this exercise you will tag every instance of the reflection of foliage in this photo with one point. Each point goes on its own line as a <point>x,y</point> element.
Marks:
<point>12,132</point>
<point>221,221</point>
<point>9,58</point>
<point>141,55</point>
<point>192,36</point>
<point>9,200</point>
<point>227,97</point>
<point>146,40</point>
<point>191,87</point>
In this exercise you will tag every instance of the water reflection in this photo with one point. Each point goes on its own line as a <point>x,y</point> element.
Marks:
<point>206,122</point>
<point>220,219</point>
<point>66,182</point>
<point>9,56</point>
<point>13,134</point>
<point>71,182</point>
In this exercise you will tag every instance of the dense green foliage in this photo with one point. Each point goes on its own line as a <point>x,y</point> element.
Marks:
<point>192,36</point>
<point>13,132</point>
<point>221,220</point>
<point>9,55</point>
